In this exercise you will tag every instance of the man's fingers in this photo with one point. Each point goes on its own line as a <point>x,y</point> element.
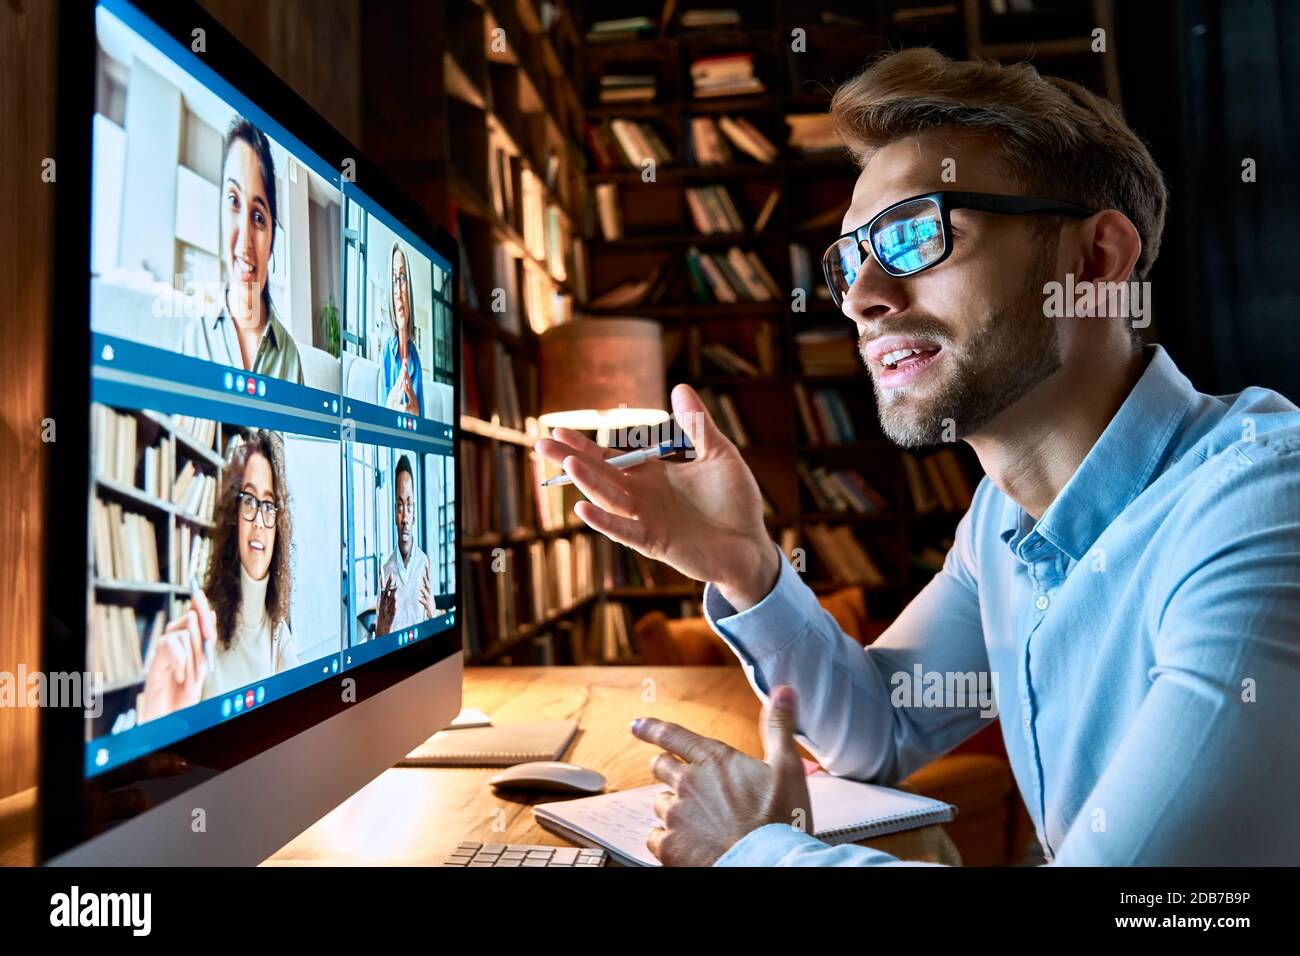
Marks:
<point>582,443</point>
<point>779,725</point>
<point>668,769</point>
<point>674,738</point>
<point>655,842</point>
<point>696,421</point>
<point>619,530</point>
<point>601,483</point>
<point>662,803</point>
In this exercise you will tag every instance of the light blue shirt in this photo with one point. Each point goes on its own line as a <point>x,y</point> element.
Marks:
<point>1143,638</point>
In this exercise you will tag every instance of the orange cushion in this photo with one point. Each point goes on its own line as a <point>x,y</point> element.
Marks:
<point>662,640</point>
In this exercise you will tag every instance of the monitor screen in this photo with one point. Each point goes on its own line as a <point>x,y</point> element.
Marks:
<point>272,443</point>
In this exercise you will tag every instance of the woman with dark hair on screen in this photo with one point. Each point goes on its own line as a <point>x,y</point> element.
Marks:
<point>236,629</point>
<point>402,387</point>
<point>246,332</point>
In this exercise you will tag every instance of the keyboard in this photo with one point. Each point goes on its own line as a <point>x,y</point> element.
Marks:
<point>470,853</point>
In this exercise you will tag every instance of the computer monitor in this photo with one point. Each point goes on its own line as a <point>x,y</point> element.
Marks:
<point>252,543</point>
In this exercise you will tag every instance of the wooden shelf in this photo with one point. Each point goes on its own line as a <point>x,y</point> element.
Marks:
<point>476,426</point>
<point>530,98</point>
<point>528,631</point>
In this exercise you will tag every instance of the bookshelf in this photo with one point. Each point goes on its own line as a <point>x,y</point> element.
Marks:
<point>490,146</point>
<point>529,144</point>
<point>775,189</point>
<point>154,491</point>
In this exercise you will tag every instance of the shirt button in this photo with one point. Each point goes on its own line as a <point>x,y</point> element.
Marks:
<point>1042,602</point>
<point>1026,723</point>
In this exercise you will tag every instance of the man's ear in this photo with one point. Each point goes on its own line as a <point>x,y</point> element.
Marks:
<point>1110,246</point>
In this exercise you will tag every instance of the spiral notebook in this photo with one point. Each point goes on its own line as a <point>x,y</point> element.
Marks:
<point>501,745</point>
<point>843,811</point>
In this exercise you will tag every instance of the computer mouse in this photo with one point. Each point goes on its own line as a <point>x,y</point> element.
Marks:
<point>549,776</point>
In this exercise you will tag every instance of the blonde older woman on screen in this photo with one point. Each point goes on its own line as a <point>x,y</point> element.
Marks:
<point>401,362</point>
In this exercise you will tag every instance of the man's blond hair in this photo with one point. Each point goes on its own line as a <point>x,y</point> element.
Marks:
<point>1059,141</point>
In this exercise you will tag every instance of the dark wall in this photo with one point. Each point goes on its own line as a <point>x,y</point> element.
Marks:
<point>1209,85</point>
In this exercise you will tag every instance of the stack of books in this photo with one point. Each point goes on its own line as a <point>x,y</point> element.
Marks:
<point>202,430</point>
<point>126,544</point>
<point>709,19</point>
<point>843,555</point>
<point>561,573</point>
<point>731,362</point>
<point>608,212</point>
<point>803,275</point>
<point>500,597</point>
<point>627,88</point>
<point>191,551</point>
<point>625,143</point>
<point>621,30</point>
<point>508,410</point>
<point>195,493</point>
<point>710,141</point>
<point>840,489</point>
<point>812,133</point>
<point>648,290</point>
<point>826,419</point>
<point>115,642</point>
<point>937,482</point>
<point>115,441</point>
<point>713,210</point>
<point>731,74</point>
<point>737,276</point>
<point>828,352</point>
<point>554,502</point>
<point>722,409</point>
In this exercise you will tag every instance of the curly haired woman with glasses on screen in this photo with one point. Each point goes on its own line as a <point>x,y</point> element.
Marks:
<point>236,629</point>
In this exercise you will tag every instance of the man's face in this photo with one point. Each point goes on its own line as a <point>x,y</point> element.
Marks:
<point>976,318</point>
<point>405,511</point>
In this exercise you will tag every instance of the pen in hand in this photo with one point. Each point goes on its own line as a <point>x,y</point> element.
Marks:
<point>632,458</point>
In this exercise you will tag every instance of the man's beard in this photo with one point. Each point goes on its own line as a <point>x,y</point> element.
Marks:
<point>1012,352</point>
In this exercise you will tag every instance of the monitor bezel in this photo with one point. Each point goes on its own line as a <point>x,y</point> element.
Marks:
<point>64,790</point>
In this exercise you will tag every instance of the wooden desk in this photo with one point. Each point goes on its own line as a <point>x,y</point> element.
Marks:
<point>415,816</point>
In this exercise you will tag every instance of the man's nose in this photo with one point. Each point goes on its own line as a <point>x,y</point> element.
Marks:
<point>874,295</point>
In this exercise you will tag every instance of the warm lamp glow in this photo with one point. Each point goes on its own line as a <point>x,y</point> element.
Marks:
<point>602,374</point>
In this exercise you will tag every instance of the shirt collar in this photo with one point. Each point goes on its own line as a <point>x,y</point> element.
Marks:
<point>268,332</point>
<point>1120,465</point>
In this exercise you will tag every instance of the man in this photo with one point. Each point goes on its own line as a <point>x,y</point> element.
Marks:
<point>405,597</point>
<point>1128,572</point>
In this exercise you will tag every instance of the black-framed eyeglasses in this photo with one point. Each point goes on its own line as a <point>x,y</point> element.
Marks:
<point>250,505</point>
<point>915,234</point>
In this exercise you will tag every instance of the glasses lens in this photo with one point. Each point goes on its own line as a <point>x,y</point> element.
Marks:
<point>909,238</point>
<point>250,506</point>
<point>841,263</point>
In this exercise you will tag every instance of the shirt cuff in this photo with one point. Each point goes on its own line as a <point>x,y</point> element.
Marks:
<point>778,620</point>
<point>766,846</point>
<point>779,844</point>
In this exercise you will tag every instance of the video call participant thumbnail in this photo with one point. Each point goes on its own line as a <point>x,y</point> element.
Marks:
<point>246,333</point>
<point>235,630</point>
<point>402,381</point>
<point>405,596</point>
